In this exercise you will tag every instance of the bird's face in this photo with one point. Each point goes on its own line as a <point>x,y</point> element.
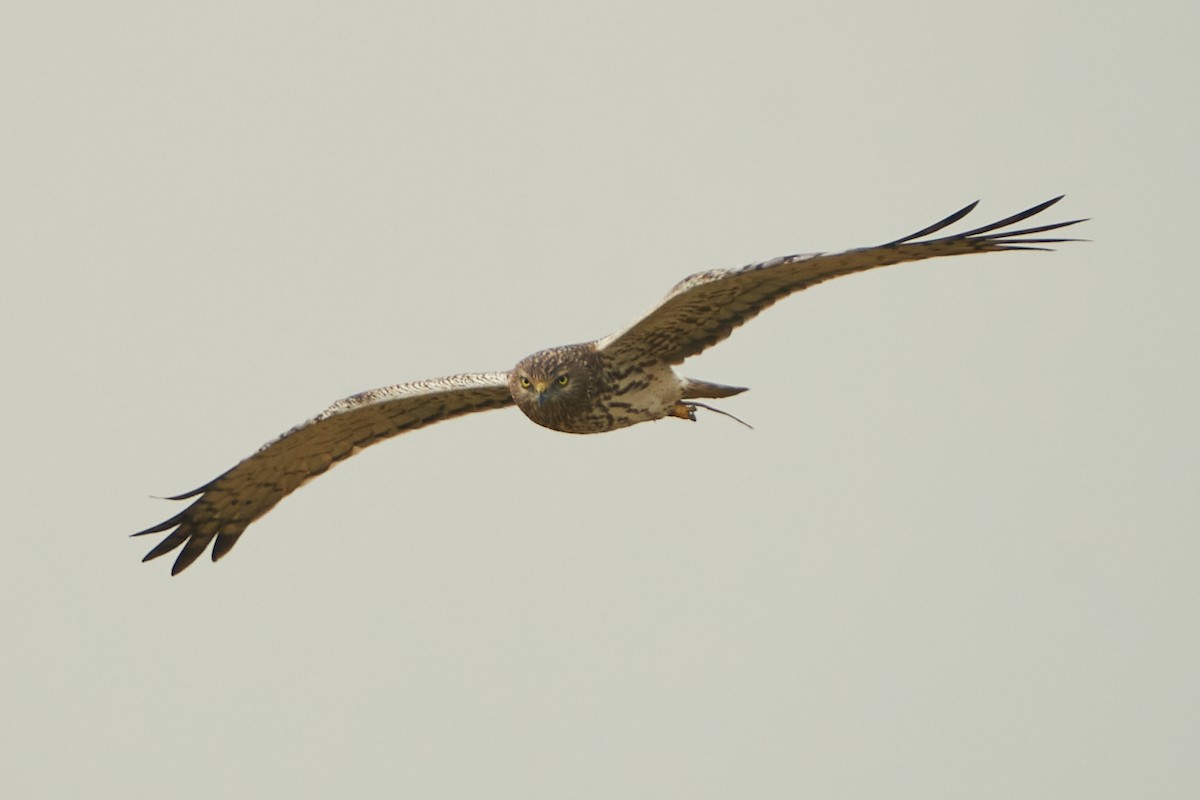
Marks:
<point>544,383</point>
<point>555,386</point>
<point>543,387</point>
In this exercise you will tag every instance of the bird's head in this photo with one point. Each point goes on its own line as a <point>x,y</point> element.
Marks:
<point>555,386</point>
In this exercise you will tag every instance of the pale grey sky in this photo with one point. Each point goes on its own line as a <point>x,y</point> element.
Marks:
<point>957,556</point>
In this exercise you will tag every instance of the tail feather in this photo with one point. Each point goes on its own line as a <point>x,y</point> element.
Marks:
<point>693,388</point>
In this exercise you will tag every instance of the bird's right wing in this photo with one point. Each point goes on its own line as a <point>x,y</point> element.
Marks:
<point>233,500</point>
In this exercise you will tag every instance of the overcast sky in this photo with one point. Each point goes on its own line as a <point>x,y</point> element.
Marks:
<point>956,557</point>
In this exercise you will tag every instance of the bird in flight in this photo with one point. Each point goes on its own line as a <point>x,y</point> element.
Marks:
<point>619,380</point>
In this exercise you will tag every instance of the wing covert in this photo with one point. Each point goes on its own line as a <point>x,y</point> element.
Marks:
<point>705,308</point>
<point>233,500</point>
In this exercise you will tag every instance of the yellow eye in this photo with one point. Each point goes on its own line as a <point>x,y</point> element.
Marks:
<point>563,380</point>
<point>525,382</point>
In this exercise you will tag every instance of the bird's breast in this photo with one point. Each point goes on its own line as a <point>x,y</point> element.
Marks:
<point>624,397</point>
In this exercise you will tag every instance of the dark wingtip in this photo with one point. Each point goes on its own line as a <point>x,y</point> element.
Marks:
<point>193,492</point>
<point>166,545</point>
<point>162,526</point>
<point>188,555</point>
<point>1015,218</point>
<point>1007,240</point>
<point>223,544</point>
<point>939,225</point>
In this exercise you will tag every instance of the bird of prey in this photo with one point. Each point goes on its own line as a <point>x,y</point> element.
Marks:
<point>619,380</point>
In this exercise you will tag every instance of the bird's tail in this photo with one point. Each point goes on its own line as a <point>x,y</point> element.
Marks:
<point>693,388</point>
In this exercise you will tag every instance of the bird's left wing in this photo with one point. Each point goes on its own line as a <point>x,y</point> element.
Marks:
<point>233,500</point>
<point>704,308</point>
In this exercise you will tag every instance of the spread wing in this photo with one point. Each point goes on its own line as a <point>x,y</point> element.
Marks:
<point>704,308</point>
<point>233,500</point>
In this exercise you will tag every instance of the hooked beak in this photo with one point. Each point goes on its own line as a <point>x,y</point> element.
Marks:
<point>540,387</point>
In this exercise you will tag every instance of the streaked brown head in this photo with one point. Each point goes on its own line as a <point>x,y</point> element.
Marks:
<point>559,388</point>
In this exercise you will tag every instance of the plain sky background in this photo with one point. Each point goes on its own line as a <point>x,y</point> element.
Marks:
<point>957,557</point>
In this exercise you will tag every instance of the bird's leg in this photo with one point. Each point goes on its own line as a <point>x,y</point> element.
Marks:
<point>688,411</point>
<point>683,411</point>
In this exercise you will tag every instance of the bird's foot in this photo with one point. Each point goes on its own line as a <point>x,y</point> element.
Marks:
<point>683,411</point>
<point>688,411</point>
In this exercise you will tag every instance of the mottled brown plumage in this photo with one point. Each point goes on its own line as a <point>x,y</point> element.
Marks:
<point>599,386</point>
<point>576,389</point>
